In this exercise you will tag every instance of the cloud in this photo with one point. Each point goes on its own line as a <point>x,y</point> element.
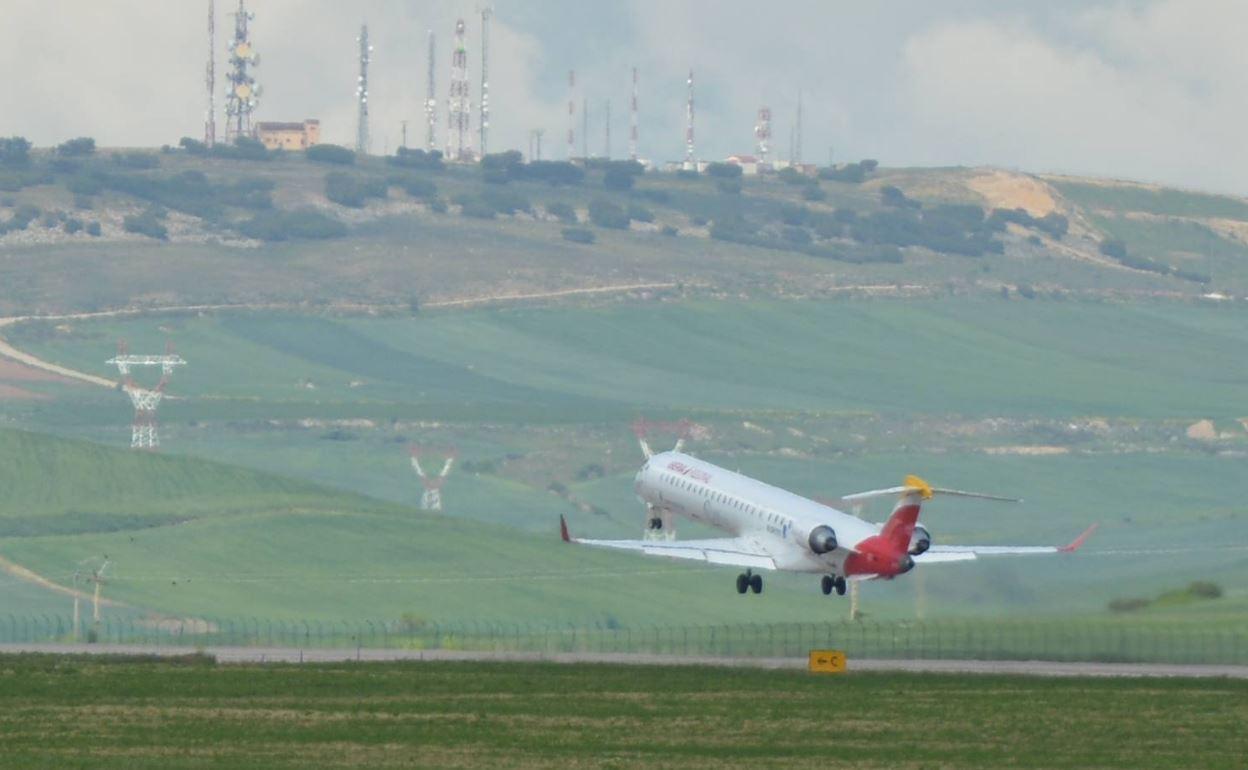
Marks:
<point>1152,93</point>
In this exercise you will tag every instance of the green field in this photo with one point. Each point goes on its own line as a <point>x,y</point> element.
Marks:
<point>824,398</point>
<point>70,712</point>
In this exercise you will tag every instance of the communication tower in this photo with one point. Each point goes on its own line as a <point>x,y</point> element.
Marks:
<point>431,98</point>
<point>632,120</point>
<point>484,125</point>
<point>571,114</point>
<point>535,144</point>
<point>244,93</point>
<point>762,134</point>
<point>690,163</point>
<point>459,108</point>
<point>585,127</point>
<point>210,121</point>
<point>431,500</point>
<point>362,139</point>
<point>143,432</point>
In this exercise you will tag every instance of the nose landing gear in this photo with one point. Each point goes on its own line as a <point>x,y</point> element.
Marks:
<point>748,581</point>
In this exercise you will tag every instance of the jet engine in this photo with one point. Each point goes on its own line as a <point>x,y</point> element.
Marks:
<point>822,539</point>
<point>920,540</point>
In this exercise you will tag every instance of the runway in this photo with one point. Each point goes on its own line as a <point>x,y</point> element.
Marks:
<point>253,655</point>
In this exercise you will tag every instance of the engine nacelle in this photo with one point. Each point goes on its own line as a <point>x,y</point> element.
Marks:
<point>920,540</point>
<point>822,539</point>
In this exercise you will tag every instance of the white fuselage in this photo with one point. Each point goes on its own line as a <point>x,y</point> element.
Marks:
<point>686,486</point>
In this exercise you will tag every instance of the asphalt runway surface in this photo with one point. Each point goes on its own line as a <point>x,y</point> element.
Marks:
<point>316,655</point>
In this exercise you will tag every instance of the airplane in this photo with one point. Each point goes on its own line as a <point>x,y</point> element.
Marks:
<point>774,529</point>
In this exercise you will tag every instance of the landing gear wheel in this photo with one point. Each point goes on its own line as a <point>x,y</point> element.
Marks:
<point>743,583</point>
<point>756,584</point>
<point>826,584</point>
<point>840,586</point>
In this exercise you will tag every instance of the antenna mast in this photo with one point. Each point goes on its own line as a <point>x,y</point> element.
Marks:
<point>689,161</point>
<point>431,98</point>
<point>484,126</point>
<point>585,127</point>
<point>210,122</point>
<point>607,149</point>
<point>243,89</point>
<point>797,134</point>
<point>571,114</point>
<point>459,107</point>
<point>632,120</point>
<point>362,140</point>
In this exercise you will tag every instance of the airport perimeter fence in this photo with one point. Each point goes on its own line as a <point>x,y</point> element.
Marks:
<point>1050,640</point>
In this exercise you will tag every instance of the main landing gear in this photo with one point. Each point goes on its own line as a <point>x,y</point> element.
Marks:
<point>748,581</point>
<point>829,583</point>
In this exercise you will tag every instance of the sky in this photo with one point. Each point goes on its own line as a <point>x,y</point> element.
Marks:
<point>1152,90</point>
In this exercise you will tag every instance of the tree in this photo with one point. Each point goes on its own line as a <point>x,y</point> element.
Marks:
<point>14,151</point>
<point>76,148</point>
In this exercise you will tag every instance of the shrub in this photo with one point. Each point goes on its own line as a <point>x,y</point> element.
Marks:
<point>1204,589</point>
<point>553,172</point>
<point>407,158</point>
<point>504,201</point>
<point>640,213</point>
<point>1025,291</point>
<point>791,214</point>
<point>148,223</point>
<point>790,175</point>
<point>419,187</point>
<point>438,206</point>
<point>687,173</point>
<point>286,225</point>
<point>814,193</point>
<point>351,190</point>
<point>894,197</point>
<point>73,226</point>
<point>578,235</point>
<point>562,211</point>
<point>606,214</point>
<point>330,153</point>
<point>244,148</point>
<point>658,196</point>
<point>94,230</point>
<point>1128,605</point>
<point>724,170</point>
<point>619,180</point>
<point>76,148</point>
<point>729,186</point>
<point>84,184</point>
<point>1114,248</point>
<point>193,146</point>
<point>136,160</point>
<point>669,230</point>
<point>853,173</point>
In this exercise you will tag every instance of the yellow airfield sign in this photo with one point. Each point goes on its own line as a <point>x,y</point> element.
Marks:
<point>827,662</point>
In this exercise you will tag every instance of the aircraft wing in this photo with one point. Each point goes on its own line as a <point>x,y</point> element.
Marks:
<point>946,553</point>
<point>733,551</point>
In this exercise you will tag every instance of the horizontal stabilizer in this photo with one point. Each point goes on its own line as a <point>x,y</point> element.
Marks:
<point>916,486</point>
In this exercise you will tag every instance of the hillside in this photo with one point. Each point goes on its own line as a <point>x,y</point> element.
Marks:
<point>1125,413</point>
<point>181,227</point>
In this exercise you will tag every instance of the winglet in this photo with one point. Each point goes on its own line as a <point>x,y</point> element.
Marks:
<point>563,529</point>
<point>919,485</point>
<point>1078,542</point>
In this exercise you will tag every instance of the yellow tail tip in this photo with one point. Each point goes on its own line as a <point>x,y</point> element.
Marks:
<point>922,487</point>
